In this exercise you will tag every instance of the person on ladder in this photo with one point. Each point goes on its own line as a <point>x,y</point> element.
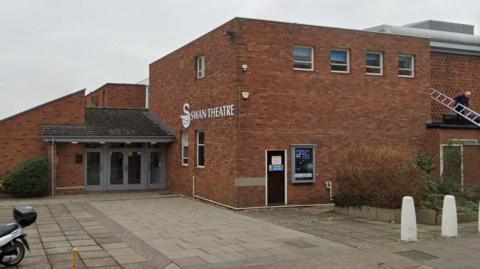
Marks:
<point>463,99</point>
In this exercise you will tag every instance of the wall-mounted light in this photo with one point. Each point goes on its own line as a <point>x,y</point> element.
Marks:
<point>244,67</point>
<point>245,95</point>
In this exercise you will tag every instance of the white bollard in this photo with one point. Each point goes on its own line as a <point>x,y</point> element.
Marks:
<point>408,227</point>
<point>449,217</point>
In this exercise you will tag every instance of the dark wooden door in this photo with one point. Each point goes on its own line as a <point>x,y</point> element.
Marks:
<point>276,177</point>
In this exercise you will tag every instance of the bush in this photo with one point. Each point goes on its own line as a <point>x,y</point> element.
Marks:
<point>29,179</point>
<point>377,176</point>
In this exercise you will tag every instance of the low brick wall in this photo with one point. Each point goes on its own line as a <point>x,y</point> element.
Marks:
<point>371,213</point>
<point>431,217</point>
<point>424,216</point>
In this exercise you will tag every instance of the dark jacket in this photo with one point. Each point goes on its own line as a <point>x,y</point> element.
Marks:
<point>462,99</point>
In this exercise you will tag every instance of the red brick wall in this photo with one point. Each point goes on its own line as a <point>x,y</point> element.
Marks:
<point>172,83</point>
<point>21,137</point>
<point>118,96</point>
<point>453,74</point>
<point>68,173</point>
<point>333,111</point>
<point>437,136</point>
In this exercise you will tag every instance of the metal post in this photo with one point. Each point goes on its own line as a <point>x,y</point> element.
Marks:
<point>74,258</point>
<point>53,165</point>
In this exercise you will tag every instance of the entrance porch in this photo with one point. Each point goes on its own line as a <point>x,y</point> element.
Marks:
<point>116,149</point>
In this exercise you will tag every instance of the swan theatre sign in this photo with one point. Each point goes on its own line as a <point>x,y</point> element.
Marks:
<point>206,113</point>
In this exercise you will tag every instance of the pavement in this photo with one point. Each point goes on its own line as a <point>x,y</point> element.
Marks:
<point>160,230</point>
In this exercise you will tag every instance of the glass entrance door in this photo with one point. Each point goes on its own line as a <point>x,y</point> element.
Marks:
<point>117,167</point>
<point>125,169</point>
<point>156,168</point>
<point>134,167</point>
<point>93,169</point>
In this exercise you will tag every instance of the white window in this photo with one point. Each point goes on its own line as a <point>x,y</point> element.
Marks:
<point>302,58</point>
<point>303,163</point>
<point>201,149</point>
<point>200,67</point>
<point>340,61</point>
<point>374,63</point>
<point>185,149</point>
<point>406,66</point>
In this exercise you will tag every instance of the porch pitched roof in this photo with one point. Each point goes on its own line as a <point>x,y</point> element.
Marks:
<point>112,124</point>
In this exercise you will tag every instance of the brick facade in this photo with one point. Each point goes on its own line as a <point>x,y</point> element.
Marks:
<point>471,153</point>
<point>21,137</point>
<point>173,83</point>
<point>285,107</point>
<point>117,95</point>
<point>454,74</point>
<point>330,110</point>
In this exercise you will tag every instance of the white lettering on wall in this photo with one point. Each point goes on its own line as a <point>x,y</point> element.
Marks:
<point>206,113</point>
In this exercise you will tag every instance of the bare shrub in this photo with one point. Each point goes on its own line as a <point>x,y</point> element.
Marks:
<point>377,176</point>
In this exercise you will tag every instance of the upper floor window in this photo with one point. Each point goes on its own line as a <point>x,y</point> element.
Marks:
<point>185,149</point>
<point>200,67</point>
<point>339,61</point>
<point>302,58</point>
<point>200,149</point>
<point>374,63</point>
<point>406,66</point>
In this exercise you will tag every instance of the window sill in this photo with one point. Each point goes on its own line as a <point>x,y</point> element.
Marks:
<point>340,72</point>
<point>401,76</point>
<point>201,167</point>
<point>374,74</point>
<point>301,69</point>
<point>184,165</point>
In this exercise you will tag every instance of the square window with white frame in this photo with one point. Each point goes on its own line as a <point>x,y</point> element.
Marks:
<point>200,149</point>
<point>185,149</point>
<point>406,66</point>
<point>303,58</point>
<point>374,63</point>
<point>200,67</point>
<point>340,61</point>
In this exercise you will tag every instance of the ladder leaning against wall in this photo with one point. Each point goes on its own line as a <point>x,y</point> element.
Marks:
<point>465,112</point>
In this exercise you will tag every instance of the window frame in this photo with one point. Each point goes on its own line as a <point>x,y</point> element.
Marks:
<point>200,69</point>
<point>312,62</point>
<point>198,147</point>
<point>442,161</point>
<point>184,143</point>
<point>293,148</point>
<point>377,67</point>
<point>336,64</point>
<point>412,69</point>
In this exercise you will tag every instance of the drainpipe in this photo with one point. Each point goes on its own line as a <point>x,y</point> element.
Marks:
<point>193,186</point>
<point>329,187</point>
<point>53,165</point>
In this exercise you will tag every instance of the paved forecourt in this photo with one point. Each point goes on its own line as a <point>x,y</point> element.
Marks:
<point>193,233</point>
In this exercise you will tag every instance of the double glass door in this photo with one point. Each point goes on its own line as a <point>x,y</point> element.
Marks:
<point>113,168</point>
<point>125,168</point>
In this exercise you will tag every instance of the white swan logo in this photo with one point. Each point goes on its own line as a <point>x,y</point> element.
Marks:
<point>186,116</point>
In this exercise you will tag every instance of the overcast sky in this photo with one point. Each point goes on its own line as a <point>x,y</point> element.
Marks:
<point>51,48</point>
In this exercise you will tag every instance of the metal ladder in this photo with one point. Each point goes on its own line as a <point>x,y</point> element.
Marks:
<point>459,109</point>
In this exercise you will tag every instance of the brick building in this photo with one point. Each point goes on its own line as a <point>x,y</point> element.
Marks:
<point>257,113</point>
